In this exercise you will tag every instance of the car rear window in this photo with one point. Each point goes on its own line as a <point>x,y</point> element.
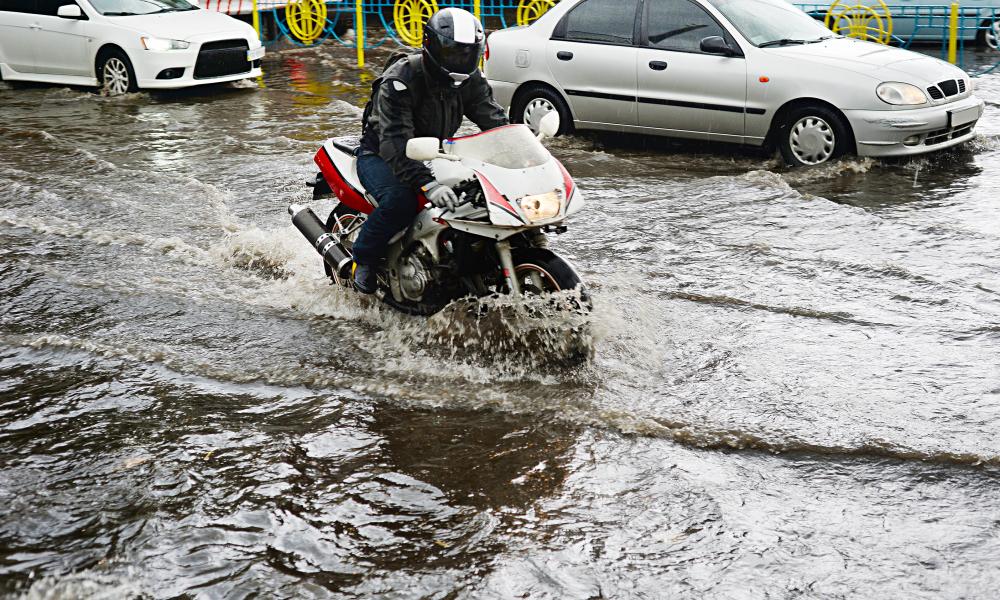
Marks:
<point>602,21</point>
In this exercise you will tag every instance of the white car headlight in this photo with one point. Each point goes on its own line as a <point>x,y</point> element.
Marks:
<point>901,94</point>
<point>162,45</point>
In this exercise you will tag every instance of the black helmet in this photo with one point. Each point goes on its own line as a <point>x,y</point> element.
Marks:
<point>453,45</point>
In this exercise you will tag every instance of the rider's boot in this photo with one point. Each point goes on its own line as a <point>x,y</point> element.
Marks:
<point>365,279</point>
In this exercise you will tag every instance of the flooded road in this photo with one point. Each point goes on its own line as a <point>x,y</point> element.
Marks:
<point>795,389</point>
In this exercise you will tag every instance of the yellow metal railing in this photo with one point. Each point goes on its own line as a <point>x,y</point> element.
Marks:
<point>307,22</point>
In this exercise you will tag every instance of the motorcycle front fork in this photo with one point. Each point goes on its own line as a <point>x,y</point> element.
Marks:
<point>507,263</point>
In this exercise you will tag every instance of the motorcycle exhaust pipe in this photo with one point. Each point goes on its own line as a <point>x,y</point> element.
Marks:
<point>309,225</point>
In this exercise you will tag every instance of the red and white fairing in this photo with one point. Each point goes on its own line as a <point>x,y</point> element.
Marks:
<point>524,185</point>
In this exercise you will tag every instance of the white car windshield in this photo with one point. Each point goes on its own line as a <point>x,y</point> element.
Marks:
<point>124,8</point>
<point>510,147</point>
<point>772,22</point>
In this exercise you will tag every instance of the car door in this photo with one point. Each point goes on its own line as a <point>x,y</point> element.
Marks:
<point>683,90</point>
<point>17,34</point>
<point>62,43</point>
<point>592,57</point>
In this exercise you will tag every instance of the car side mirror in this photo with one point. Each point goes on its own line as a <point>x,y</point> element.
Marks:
<point>423,148</point>
<point>69,11</point>
<point>716,45</point>
<point>549,126</point>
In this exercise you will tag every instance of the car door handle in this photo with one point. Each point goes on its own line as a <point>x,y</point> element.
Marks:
<point>657,65</point>
<point>564,55</point>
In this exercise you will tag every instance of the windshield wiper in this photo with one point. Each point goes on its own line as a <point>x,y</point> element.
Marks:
<point>784,42</point>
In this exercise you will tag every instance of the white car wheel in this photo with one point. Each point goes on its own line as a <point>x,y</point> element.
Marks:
<point>116,78</point>
<point>535,110</point>
<point>812,140</point>
<point>992,36</point>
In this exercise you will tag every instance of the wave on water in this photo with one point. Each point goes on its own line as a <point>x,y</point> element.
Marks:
<point>787,179</point>
<point>708,437</point>
<point>105,237</point>
<point>67,150</point>
<point>542,331</point>
<point>736,303</point>
<point>410,392</point>
<point>90,584</point>
<point>983,143</point>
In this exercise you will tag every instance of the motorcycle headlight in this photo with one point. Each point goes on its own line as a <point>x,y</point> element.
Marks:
<point>540,207</point>
<point>162,45</point>
<point>900,94</point>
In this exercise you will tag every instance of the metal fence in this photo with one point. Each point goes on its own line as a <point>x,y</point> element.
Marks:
<point>307,22</point>
<point>953,26</point>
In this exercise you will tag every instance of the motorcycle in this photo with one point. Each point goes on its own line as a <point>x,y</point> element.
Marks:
<point>511,192</point>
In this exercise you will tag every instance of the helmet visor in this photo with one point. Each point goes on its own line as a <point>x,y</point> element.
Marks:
<point>455,57</point>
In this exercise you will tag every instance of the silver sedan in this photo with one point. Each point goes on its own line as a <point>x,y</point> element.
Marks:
<point>750,72</point>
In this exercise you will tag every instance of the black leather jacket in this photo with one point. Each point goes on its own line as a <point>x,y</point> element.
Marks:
<point>409,104</point>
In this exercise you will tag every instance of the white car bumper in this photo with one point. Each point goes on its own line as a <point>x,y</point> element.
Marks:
<point>917,131</point>
<point>150,68</point>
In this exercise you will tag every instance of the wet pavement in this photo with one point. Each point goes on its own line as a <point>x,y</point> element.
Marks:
<point>794,391</point>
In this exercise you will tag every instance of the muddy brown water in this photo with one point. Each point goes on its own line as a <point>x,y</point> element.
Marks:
<point>794,391</point>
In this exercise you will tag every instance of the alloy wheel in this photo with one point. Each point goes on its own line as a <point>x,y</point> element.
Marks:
<point>115,75</point>
<point>535,110</point>
<point>812,140</point>
<point>992,36</point>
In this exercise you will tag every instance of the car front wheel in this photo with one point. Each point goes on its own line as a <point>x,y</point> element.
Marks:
<point>115,74</point>
<point>989,35</point>
<point>812,135</point>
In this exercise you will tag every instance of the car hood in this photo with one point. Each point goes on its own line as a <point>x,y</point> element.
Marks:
<point>189,25</point>
<point>875,60</point>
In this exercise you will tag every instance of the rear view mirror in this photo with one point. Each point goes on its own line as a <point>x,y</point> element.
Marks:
<point>549,125</point>
<point>69,11</point>
<point>716,45</point>
<point>423,148</point>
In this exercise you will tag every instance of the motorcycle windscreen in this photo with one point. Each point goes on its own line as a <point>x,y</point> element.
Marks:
<point>508,147</point>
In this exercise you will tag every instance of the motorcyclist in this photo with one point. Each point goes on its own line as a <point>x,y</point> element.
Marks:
<point>424,95</point>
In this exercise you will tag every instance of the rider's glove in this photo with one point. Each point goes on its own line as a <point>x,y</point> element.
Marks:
<point>441,195</point>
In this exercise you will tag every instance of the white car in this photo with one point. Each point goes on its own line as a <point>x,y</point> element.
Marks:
<point>751,72</point>
<point>124,45</point>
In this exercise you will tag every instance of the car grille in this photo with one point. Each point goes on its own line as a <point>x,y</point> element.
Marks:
<point>217,59</point>
<point>940,136</point>
<point>947,89</point>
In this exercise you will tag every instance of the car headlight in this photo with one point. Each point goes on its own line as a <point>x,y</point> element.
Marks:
<point>901,94</point>
<point>161,45</point>
<point>540,207</point>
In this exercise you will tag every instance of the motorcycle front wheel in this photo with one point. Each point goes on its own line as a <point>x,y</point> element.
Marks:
<point>541,272</point>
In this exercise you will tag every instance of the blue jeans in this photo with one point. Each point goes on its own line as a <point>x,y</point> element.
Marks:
<point>397,205</point>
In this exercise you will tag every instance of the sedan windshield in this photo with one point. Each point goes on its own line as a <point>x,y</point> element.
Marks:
<point>123,8</point>
<point>772,22</point>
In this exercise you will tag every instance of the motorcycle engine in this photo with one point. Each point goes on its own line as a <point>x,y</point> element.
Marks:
<point>414,277</point>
